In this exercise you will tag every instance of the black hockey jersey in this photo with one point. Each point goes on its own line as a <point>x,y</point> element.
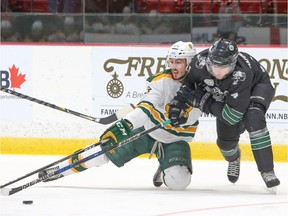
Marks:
<point>232,95</point>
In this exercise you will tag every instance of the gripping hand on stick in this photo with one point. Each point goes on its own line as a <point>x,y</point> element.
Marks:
<point>178,112</point>
<point>117,132</point>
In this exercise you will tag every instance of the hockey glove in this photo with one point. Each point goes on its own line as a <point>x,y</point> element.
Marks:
<point>183,94</point>
<point>178,112</point>
<point>198,98</point>
<point>201,99</point>
<point>117,132</point>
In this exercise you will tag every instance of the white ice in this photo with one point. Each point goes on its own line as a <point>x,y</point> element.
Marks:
<point>110,191</point>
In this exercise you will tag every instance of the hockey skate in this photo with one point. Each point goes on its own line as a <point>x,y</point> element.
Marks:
<point>234,170</point>
<point>47,172</point>
<point>157,179</point>
<point>270,179</point>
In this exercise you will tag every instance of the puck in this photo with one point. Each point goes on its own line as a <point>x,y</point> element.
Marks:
<point>28,202</point>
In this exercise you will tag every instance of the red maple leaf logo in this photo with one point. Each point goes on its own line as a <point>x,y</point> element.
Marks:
<point>16,79</point>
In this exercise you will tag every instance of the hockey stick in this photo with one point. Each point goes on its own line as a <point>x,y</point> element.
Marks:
<point>106,120</point>
<point>10,191</point>
<point>54,163</point>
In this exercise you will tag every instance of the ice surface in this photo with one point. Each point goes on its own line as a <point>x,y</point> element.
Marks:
<point>108,190</point>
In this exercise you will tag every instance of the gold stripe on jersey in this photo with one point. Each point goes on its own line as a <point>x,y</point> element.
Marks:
<point>160,75</point>
<point>163,75</point>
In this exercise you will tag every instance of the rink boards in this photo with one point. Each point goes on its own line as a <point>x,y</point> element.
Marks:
<point>199,150</point>
<point>84,78</point>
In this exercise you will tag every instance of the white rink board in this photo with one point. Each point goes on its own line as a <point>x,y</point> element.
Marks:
<point>78,78</point>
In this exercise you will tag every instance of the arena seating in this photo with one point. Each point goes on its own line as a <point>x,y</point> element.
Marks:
<point>162,6</point>
<point>278,6</point>
<point>202,6</point>
<point>253,6</point>
<point>198,6</point>
<point>29,6</point>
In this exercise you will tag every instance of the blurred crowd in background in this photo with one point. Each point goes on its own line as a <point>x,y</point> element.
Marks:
<point>77,20</point>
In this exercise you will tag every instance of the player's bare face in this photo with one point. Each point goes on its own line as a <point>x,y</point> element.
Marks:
<point>220,72</point>
<point>178,68</point>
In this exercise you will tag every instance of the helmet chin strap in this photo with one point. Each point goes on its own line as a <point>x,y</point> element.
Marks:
<point>187,71</point>
<point>184,76</point>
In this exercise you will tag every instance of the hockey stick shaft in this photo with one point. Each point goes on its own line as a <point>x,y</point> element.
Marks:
<point>105,120</point>
<point>54,163</point>
<point>10,191</point>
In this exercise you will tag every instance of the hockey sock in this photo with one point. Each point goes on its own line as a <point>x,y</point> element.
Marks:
<point>95,162</point>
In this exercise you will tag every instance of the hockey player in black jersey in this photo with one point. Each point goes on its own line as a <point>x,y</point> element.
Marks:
<point>236,89</point>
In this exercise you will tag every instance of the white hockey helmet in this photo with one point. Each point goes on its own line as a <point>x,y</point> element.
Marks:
<point>181,50</point>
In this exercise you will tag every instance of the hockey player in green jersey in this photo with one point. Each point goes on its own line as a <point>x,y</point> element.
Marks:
<point>170,144</point>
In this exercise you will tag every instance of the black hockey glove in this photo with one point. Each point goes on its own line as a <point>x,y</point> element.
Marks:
<point>198,98</point>
<point>178,112</point>
<point>201,99</point>
<point>183,94</point>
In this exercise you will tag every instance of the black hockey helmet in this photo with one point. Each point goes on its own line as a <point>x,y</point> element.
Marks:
<point>222,53</point>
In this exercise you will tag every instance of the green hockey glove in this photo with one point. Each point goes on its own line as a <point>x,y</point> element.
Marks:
<point>117,132</point>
